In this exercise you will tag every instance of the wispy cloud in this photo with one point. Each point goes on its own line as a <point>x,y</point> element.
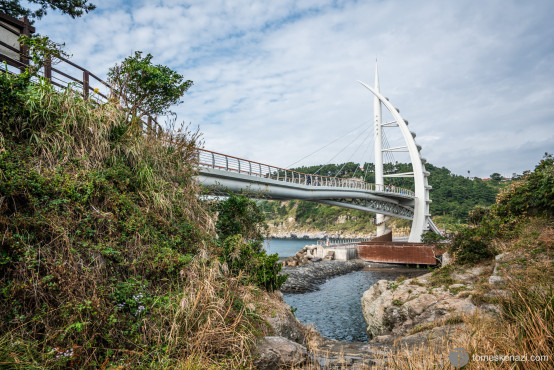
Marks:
<point>274,81</point>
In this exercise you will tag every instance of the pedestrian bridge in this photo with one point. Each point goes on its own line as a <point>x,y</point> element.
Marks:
<point>224,172</point>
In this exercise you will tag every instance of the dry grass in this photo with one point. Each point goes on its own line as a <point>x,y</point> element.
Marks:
<point>99,223</point>
<point>211,317</point>
<point>526,323</point>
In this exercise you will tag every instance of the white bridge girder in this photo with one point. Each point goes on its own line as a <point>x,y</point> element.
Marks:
<point>387,203</point>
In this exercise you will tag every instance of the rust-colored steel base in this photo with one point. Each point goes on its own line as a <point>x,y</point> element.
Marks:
<point>399,252</point>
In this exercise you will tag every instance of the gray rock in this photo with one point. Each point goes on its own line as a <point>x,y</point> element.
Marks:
<point>306,278</point>
<point>470,275</point>
<point>491,308</point>
<point>496,281</point>
<point>393,308</point>
<point>454,286</point>
<point>279,352</point>
<point>502,257</point>
<point>446,259</point>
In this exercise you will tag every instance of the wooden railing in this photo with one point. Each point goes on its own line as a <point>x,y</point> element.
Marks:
<point>64,74</point>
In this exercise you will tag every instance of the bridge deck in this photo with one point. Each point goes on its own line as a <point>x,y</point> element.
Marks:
<point>220,162</point>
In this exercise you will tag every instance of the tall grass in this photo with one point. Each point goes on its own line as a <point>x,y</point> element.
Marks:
<point>525,325</point>
<point>101,237</point>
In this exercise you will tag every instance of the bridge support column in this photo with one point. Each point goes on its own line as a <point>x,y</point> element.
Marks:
<point>377,135</point>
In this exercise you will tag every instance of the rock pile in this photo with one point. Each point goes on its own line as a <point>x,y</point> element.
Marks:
<point>307,277</point>
<point>306,255</point>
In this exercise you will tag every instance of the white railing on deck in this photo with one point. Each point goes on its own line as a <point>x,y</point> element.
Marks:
<point>342,242</point>
<point>209,159</point>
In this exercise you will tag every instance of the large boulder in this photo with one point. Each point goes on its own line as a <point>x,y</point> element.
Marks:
<point>279,352</point>
<point>393,309</point>
<point>374,302</point>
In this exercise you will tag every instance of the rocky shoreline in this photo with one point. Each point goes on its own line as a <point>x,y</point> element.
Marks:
<point>317,235</point>
<point>307,278</point>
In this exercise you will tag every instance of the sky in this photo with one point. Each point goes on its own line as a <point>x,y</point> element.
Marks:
<point>275,81</point>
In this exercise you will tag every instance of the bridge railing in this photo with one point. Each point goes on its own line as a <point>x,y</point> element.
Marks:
<point>342,242</point>
<point>210,159</point>
<point>63,74</point>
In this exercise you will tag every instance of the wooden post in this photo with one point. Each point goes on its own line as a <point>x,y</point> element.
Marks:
<point>48,68</point>
<point>149,124</point>
<point>85,84</point>
<point>24,50</point>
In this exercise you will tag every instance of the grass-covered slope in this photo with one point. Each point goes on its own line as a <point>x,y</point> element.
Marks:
<point>516,286</point>
<point>107,255</point>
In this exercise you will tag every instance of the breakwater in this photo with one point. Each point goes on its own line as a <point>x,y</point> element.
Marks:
<point>307,278</point>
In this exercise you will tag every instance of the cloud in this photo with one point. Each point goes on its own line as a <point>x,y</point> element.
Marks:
<point>274,81</point>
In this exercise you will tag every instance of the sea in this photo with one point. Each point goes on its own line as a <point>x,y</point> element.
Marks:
<point>335,309</point>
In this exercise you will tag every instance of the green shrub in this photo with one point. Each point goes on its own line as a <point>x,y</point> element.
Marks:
<point>477,214</point>
<point>532,196</point>
<point>101,230</point>
<point>470,245</point>
<point>431,237</point>
<point>240,226</point>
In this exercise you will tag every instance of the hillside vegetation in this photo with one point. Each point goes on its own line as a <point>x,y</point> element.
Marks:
<point>108,257</point>
<point>510,249</point>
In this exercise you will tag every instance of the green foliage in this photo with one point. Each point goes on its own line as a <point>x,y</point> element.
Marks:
<point>430,237</point>
<point>240,215</point>
<point>98,229</point>
<point>240,227</point>
<point>41,49</point>
<point>73,8</point>
<point>145,88</point>
<point>319,216</point>
<point>496,177</point>
<point>397,302</point>
<point>455,195</point>
<point>532,196</point>
<point>477,214</point>
<point>471,245</point>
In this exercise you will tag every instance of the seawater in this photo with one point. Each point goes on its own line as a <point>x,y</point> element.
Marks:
<point>286,247</point>
<point>335,309</point>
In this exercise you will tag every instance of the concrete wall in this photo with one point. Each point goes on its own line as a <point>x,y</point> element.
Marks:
<point>10,39</point>
<point>341,253</point>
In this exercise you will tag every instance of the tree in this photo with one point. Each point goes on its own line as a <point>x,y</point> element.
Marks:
<point>74,8</point>
<point>145,88</point>
<point>496,177</point>
<point>241,227</point>
<point>240,215</point>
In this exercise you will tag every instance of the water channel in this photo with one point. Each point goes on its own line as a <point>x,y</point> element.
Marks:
<point>335,310</point>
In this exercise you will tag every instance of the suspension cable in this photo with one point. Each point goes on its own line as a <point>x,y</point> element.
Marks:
<point>389,155</point>
<point>354,152</point>
<point>370,136</point>
<point>342,150</point>
<point>325,146</point>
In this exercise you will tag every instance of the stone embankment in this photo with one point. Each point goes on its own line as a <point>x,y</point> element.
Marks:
<point>307,278</point>
<point>306,255</point>
<point>318,235</point>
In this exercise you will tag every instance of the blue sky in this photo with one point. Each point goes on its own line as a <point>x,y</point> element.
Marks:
<point>275,81</point>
